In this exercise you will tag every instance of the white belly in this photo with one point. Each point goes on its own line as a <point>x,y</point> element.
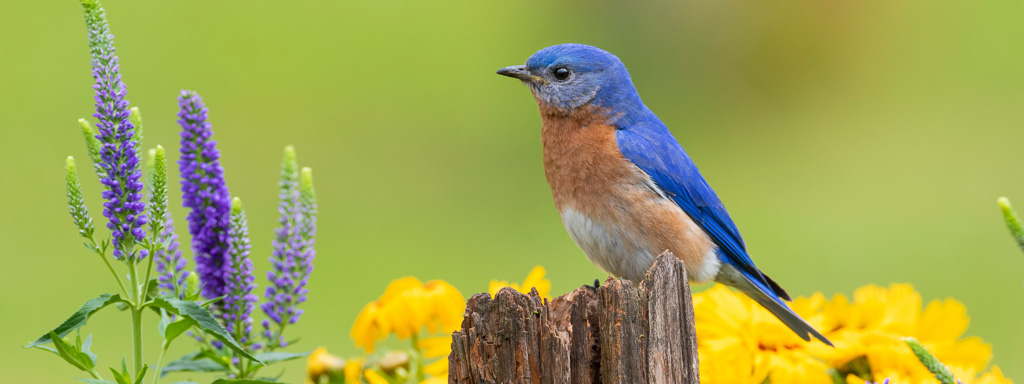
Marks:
<point>626,254</point>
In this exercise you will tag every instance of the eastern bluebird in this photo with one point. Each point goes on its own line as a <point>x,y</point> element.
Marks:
<point>624,187</point>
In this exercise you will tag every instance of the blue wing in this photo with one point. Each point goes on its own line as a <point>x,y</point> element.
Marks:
<point>652,148</point>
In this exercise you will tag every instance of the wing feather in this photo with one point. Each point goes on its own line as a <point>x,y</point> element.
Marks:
<point>653,149</point>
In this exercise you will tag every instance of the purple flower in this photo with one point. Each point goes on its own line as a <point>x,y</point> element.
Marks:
<point>170,265</point>
<point>239,300</point>
<point>118,152</point>
<point>205,192</point>
<point>292,258</point>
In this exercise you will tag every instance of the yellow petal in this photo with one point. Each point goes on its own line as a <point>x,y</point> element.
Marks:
<point>942,320</point>
<point>399,287</point>
<point>373,377</point>
<point>367,329</point>
<point>352,369</point>
<point>436,346</point>
<point>436,380</point>
<point>446,305</point>
<point>535,279</point>
<point>496,286</point>
<point>994,376</point>
<point>437,368</point>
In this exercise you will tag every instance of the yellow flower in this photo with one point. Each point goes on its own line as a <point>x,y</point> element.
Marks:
<point>322,365</point>
<point>740,342</point>
<point>875,322</point>
<point>535,279</point>
<point>407,306</point>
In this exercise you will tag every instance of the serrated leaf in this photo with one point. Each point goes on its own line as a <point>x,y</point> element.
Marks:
<point>79,318</point>
<point>202,318</point>
<point>277,357</point>
<point>189,363</point>
<point>94,381</point>
<point>243,381</point>
<point>71,354</point>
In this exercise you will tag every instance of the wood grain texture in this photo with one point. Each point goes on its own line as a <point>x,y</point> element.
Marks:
<point>616,333</point>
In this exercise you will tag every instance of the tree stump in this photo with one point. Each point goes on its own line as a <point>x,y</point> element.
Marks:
<point>616,333</point>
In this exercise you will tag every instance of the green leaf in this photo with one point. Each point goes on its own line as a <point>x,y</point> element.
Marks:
<point>184,382</point>
<point>243,381</point>
<point>192,287</point>
<point>84,348</point>
<point>122,377</point>
<point>193,363</point>
<point>79,318</point>
<point>207,303</point>
<point>170,330</point>
<point>72,354</point>
<point>202,318</point>
<point>48,349</point>
<point>277,357</point>
<point>142,374</point>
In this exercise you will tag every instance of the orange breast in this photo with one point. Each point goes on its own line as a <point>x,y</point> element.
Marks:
<point>591,180</point>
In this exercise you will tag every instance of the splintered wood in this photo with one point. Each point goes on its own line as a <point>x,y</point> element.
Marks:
<point>616,333</point>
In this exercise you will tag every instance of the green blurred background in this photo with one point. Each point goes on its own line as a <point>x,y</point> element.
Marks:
<point>853,142</point>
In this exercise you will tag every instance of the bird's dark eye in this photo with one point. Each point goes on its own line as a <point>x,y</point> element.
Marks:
<point>561,73</point>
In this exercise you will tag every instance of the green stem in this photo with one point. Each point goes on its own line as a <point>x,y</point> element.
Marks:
<point>419,357</point>
<point>160,362</point>
<point>149,270</point>
<point>92,372</point>
<point>136,308</point>
<point>273,343</point>
<point>137,338</point>
<point>117,277</point>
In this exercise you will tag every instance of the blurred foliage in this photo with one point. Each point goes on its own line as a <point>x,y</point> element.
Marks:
<point>853,143</point>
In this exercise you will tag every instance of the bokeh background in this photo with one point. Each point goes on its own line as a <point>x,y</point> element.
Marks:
<point>853,142</point>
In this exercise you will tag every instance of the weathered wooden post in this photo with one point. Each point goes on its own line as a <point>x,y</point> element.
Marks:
<point>617,333</point>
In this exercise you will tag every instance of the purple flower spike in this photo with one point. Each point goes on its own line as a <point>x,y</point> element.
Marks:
<point>118,152</point>
<point>170,265</point>
<point>205,192</point>
<point>239,301</point>
<point>292,259</point>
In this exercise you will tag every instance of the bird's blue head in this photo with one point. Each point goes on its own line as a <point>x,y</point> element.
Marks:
<point>566,77</point>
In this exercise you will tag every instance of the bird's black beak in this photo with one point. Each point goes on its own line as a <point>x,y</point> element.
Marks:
<point>520,72</point>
